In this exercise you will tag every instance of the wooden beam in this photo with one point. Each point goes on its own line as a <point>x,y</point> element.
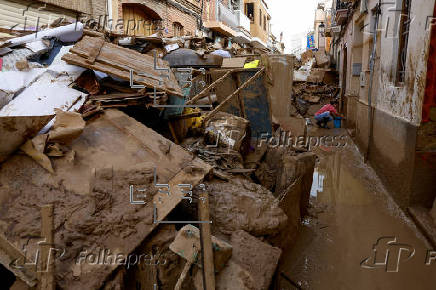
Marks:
<point>206,242</point>
<point>173,132</point>
<point>13,259</point>
<point>47,280</point>
<point>241,102</point>
<point>218,108</point>
<point>204,92</point>
<point>95,51</point>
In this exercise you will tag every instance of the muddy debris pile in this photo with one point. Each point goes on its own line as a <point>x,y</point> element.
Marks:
<point>315,84</point>
<point>141,162</point>
<point>309,98</point>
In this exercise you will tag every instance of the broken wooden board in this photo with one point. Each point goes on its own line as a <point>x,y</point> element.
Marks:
<point>118,61</point>
<point>235,62</point>
<point>93,208</point>
<point>14,131</point>
<point>10,256</point>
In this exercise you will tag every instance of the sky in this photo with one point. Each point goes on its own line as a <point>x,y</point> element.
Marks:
<point>295,18</point>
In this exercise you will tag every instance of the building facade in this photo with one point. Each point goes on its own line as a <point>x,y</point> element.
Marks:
<point>260,28</point>
<point>32,15</point>
<point>226,18</point>
<point>321,34</point>
<point>146,17</point>
<point>385,56</point>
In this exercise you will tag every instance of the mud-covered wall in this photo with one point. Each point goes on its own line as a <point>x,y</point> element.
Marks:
<point>400,143</point>
<point>401,100</point>
<point>404,100</point>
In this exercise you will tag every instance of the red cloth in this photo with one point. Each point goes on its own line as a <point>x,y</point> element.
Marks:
<point>329,107</point>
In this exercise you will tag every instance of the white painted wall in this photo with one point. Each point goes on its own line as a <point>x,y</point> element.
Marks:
<point>402,101</point>
<point>405,101</point>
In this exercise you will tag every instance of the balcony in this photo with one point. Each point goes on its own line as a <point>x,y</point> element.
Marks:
<point>227,16</point>
<point>341,16</point>
<point>231,22</point>
<point>342,8</point>
<point>243,21</point>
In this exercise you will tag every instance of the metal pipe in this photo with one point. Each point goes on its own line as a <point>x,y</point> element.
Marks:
<point>371,79</point>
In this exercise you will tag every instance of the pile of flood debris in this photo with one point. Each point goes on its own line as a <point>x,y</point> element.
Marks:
<point>315,84</point>
<point>145,162</point>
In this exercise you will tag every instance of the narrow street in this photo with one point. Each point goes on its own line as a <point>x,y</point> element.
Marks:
<point>218,145</point>
<point>350,211</point>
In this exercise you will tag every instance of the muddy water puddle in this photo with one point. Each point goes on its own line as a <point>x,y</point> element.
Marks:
<point>355,237</point>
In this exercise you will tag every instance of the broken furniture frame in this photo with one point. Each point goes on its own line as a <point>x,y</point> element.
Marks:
<point>231,96</point>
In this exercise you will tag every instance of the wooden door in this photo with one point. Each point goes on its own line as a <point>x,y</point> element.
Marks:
<point>137,22</point>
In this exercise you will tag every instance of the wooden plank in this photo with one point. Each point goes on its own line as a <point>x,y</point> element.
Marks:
<point>173,133</point>
<point>118,61</point>
<point>116,96</point>
<point>95,51</point>
<point>234,62</point>
<point>93,33</point>
<point>182,277</point>
<point>10,255</point>
<point>204,92</point>
<point>206,242</point>
<point>240,100</point>
<point>218,108</point>
<point>123,74</point>
<point>47,279</point>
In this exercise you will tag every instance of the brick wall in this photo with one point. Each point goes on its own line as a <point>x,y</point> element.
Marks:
<point>181,11</point>
<point>189,22</point>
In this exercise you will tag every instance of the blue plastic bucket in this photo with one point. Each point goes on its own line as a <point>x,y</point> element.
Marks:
<point>338,122</point>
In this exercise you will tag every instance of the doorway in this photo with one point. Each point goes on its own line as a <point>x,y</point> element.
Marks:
<point>139,20</point>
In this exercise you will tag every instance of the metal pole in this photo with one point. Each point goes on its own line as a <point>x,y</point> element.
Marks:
<point>371,79</point>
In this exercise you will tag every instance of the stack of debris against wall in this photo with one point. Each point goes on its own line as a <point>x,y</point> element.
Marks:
<point>315,85</point>
<point>137,161</point>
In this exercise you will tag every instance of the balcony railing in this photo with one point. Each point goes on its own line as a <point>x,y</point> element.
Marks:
<point>227,16</point>
<point>243,21</point>
<point>343,4</point>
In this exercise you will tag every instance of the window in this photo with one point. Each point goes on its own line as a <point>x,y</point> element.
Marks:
<point>177,29</point>
<point>403,40</point>
<point>260,18</point>
<point>264,23</point>
<point>249,11</point>
<point>235,4</point>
